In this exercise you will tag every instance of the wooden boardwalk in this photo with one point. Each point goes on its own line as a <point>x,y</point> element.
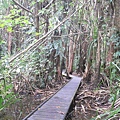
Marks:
<point>56,108</point>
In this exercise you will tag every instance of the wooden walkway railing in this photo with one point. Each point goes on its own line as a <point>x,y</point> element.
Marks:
<point>57,107</point>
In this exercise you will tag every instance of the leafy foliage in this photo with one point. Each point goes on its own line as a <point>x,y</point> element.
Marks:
<point>7,95</point>
<point>39,67</point>
<point>13,19</point>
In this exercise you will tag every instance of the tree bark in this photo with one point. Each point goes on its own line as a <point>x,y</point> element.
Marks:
<point>37,19</point>
<point>9,43</point>
<point>117,14</point>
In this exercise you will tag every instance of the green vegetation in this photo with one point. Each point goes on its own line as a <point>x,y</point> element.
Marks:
<point>39,39</point>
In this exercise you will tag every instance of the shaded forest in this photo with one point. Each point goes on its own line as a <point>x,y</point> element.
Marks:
<point>42,38</point>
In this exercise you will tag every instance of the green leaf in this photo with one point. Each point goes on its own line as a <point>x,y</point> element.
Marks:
<point>2,42</point>
<point>8,87</point>
<point>26,21</point>
<point>71,4</point>
<point>9,29</point>
<point>33,3</point>
<point>2,25</point>
<point>5,3</point>
<point>1,102</point>
<point>9,95</point>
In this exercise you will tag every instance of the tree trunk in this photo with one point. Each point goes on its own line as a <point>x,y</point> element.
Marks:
<point>99,13</point>
<point>9,43</point>
<point>37,19</point>
<point>117,14</point>
<point>72,47</point>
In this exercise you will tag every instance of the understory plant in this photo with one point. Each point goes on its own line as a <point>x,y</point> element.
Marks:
<point>7,95</point>
<point>113,112</point>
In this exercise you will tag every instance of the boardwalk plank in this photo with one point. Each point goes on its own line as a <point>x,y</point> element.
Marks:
<point>57,107</point>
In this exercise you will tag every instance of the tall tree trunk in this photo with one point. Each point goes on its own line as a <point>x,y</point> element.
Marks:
<point>117,14</point>
<point>99,14</point>
<point>9,43</point>
<point>71,55</point>
<point>98,58</point>
<point>37,18</point>
<point>58,68</point>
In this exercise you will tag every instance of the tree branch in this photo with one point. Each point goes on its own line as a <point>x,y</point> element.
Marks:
<point>46,7</point>
<point>116,66</point>
<point>21,6</point>
<point>43,37</point>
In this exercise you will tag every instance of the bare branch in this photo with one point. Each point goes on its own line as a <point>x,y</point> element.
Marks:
<point>21,6</point>
<point>43,37</point>
<point>46,7</point>
<point>116,66</point>
<point>49,4</point>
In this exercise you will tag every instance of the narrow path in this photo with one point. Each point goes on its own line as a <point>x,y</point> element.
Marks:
<point>57,107</point>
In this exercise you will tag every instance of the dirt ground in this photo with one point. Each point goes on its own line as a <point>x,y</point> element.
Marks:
<point>29,101</point>
<point>90,102</point>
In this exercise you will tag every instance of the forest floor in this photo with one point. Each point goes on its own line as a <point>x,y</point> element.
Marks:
<point>29,101</point>
<point>90,102</point>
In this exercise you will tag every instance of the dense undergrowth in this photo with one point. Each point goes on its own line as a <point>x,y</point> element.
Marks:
<point>39,39</point>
